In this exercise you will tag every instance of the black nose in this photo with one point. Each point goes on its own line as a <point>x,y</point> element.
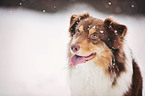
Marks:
<point>75,48</point>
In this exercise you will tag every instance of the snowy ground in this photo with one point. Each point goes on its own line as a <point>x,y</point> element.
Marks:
<point>33,48</point>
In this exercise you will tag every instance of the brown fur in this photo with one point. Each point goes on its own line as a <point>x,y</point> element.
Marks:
<point>106,39</point>
<point>136,86</point>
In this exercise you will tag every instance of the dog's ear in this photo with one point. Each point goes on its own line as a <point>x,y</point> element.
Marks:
<point>115,28</point>
<point>74,20</point>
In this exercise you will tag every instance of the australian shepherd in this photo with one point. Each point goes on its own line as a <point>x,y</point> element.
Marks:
<point>100,63</point>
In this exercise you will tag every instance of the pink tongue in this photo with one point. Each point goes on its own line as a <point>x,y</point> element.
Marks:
<point>75,60</point>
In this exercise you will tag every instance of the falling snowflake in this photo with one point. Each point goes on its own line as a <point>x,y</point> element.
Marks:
<point>115,31</point>
<point>54,7</point>
<point>118,9</point>
<point>102,32</point>
<point>94,27</point>
<point>132,6</point>
<point>44,11</point>
<point>109,3</point>
<point>20,4</point>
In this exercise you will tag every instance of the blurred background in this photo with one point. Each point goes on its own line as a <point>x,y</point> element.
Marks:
<point>107,6</point>
<point>34,37</point>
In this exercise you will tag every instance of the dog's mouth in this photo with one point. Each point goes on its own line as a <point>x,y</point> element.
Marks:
<point>76,59</point>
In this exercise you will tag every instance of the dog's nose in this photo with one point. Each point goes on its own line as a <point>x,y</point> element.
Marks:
<point>75,48</point>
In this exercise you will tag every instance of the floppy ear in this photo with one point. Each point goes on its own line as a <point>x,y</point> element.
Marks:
<point>74,20</point>
<point>116,28</point>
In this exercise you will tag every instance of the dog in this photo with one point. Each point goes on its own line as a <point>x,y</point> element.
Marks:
<point>100,62</point>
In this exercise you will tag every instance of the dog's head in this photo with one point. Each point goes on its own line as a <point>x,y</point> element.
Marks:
<point>95,40</point>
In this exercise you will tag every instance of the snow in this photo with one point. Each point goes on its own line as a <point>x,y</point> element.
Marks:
<point>44,11</point>
<point>54,7</point>
<point>102,32</point>
<point>132,6</point>
<point>33,52</point>
<point>115,31</point>
<point>20,4</point>
<point>109,3</point>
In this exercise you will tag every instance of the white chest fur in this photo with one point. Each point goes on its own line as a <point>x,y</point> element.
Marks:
<point>90,80</point>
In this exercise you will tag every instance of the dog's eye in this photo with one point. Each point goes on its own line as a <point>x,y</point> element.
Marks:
<point>78,31</point>
<point>94,36</point>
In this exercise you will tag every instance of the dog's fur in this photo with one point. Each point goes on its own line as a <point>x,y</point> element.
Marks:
<point>100,63</point>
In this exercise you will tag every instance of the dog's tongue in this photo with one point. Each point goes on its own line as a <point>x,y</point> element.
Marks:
<point>75,60</point>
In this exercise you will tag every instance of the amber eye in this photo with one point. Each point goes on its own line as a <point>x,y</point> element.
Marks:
<point>94,36</point>
<point>78,31</point>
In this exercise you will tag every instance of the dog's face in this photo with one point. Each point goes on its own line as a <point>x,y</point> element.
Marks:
<point>94,40</point>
